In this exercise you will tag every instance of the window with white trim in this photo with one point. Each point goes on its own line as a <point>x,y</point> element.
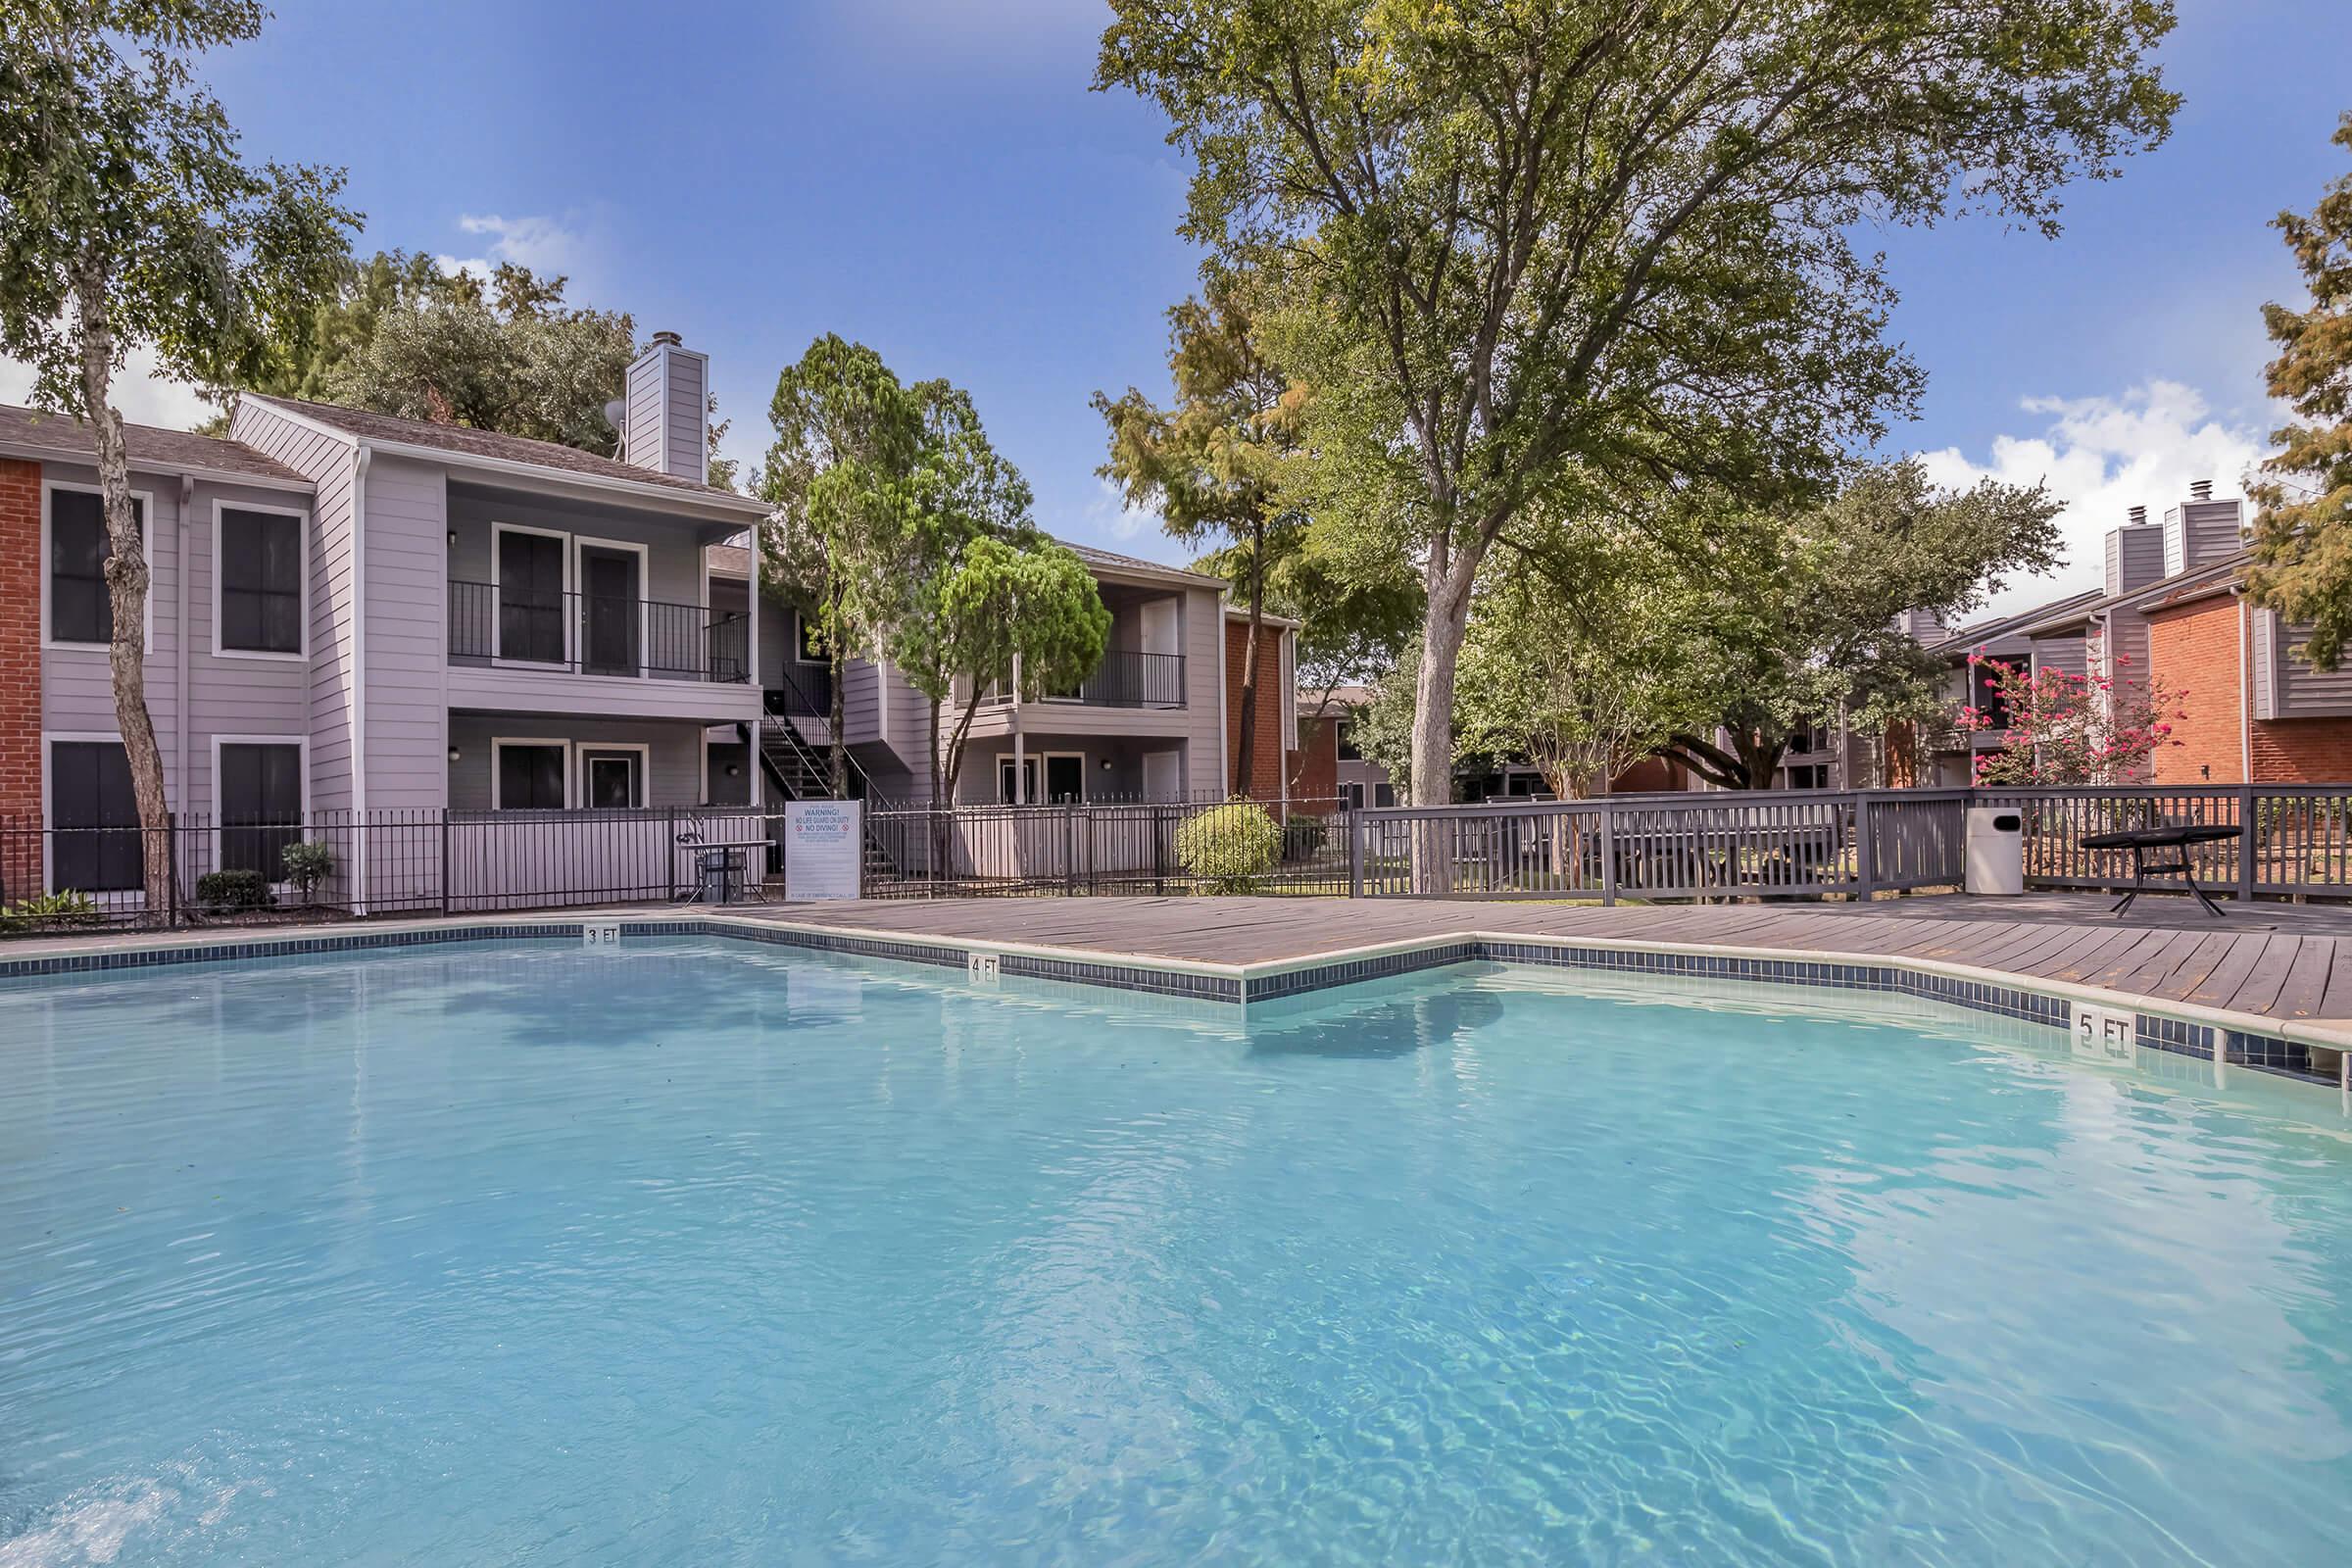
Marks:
<point>531,777</point>
<point>261,582</point>
<point>81,606</point>
<point>260,791</point>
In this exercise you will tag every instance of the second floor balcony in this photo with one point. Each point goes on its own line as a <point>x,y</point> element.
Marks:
<point>512,626</point>
<point>1121,680</point>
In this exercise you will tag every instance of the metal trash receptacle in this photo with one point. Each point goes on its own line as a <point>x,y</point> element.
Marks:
<point>1996,850</point>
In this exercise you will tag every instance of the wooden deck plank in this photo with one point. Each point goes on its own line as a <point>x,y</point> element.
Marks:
<point>2274,968</point>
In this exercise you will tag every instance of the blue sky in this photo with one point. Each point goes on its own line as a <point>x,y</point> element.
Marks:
<point>934,177</point>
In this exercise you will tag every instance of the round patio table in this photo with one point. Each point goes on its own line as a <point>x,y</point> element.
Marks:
<point>2143,841</point>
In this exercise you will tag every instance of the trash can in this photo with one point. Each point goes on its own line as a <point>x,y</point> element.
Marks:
<point>1996,850</point>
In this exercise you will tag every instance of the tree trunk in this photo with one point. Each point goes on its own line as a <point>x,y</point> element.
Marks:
<point>840,752</point>
<point>1246,757</point>
<point>126,581</point>
<point>1442,626</point>
<point>941,822</point>
<point>1759,756</point>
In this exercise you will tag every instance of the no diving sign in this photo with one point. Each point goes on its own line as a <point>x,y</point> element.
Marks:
<point>824,849</point>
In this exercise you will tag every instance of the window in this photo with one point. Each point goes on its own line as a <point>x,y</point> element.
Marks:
<point>530,597</point>
<point>1064,778</point>
<point>532,775</point>
<point>259,557</point>
<point>1382,796</point>
<point>89,794</point>
<point>1354,796</point>
<point>611,780</point>
<point>82,608</point>
<point>1347,750</point>
<point>260,789</point>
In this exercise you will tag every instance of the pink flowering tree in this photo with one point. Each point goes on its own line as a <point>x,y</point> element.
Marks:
<point>2057,727</point>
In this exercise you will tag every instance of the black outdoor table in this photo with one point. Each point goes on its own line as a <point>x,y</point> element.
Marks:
<point>2141,840</point>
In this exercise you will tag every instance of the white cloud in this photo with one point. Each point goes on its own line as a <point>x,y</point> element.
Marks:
<point>142,394</point>
<point>1110,514</point>
<point>2102,456</point>
<point>542,244</point>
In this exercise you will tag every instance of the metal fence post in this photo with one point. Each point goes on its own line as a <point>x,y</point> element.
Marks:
<point>2248,824</point>
<point>1609,851</point>
<point>1069,856</point>
<point>1356,854</point>
<point>445,860</point>
<point>171,870</point>
<point>1866,867</point>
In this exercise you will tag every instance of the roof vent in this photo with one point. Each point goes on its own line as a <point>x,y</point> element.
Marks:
<point>2201,490</point>
<point>668,340</point>
<point>2140,516</point>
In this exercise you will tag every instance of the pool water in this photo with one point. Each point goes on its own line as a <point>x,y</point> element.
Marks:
<point>709,1253</point>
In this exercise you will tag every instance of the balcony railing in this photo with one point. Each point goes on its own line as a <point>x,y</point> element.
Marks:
<point>1130,680</point>
<point>594,634</point>
<point>803,687</point>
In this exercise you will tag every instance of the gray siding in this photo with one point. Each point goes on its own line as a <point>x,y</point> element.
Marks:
<point>2134,559</point>
<point>2197,533</point>
<point>2068,653</point>
<point>330,463</point>
<point>2285,685</point>
<point>407,664</point>
<point>673,766</point>
<point>667,401</point>
<point>77,688</point>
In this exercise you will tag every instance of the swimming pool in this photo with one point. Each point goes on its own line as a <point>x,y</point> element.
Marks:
<point>691,1251</point>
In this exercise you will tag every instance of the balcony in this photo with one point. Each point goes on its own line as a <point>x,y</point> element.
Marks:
<point>594,634</point>
<point>1121,680</point>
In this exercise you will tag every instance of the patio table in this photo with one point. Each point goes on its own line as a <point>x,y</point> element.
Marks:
<point>2180,837</point>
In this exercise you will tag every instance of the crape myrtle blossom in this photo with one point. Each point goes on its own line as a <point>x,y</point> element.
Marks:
<point>2058,727</point>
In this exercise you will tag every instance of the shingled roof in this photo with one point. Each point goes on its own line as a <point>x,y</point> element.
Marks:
<point>465,441</point>
<point>37,432</point>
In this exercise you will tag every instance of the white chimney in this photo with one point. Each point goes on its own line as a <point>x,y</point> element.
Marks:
<point>664,408</point>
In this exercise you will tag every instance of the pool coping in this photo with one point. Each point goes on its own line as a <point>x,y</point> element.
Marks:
<point>2240,1039</point>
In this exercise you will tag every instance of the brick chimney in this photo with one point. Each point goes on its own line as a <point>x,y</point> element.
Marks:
<point>664,408</point>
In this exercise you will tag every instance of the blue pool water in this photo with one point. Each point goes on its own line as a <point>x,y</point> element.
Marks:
<point>705,1253</point>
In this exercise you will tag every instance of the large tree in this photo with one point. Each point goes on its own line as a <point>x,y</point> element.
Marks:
<point>1808,632</point>
<point>2303,530</point>
<point>1211,465</point>
<point>127,216</point>
<point>840,474</point>
<point>1521,245</point>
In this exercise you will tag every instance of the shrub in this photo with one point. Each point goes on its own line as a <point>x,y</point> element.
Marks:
<point>1303,836</point>
<point>308,865</point>
<point>230,892</point>
<point>1230,847</point>
<point>48,909</point>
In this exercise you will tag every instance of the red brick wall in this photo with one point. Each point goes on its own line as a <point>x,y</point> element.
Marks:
<point>2195,650</point>
<point>1265,782</point>
<point>1315,765</point>
<point>2302,751</point>
<point>20,667</point>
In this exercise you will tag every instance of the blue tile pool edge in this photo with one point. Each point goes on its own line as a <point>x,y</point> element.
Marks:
<point>2244,1040</point>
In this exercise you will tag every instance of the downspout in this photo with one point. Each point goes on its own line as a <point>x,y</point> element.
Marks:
<point>358,663</point>
<point>180,719</point>
<point>2245,691</point>
<point>1020,755</point>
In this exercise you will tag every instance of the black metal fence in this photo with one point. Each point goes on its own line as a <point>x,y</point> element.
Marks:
<point>2296,842</point>
<point>1107,847</point>
<point>328,865</point>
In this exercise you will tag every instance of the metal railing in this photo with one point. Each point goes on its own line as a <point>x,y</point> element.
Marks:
<point>596,634</point>
<point>804,689</point>
<point>1120,681</point>
<point>2297,842</point>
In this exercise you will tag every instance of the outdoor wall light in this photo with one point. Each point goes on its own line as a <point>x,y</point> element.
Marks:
<point>1107,765</point>
<point>734,770</point>
<point>452,538</point>
<point>453,754</point>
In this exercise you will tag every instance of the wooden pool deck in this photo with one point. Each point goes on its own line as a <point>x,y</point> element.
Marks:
<point>2288,962</point>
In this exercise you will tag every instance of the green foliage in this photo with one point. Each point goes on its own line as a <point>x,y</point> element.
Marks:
<point>1533,255</point>
<point>1806,628</point>
<point>232,892</point>
<point>1030,598</point>
<point>1231,847</point>
<point>122,187</point>
<point>508,354</point>
<point>2303,530</point>
<point>46,911</point>
<point>1303,836</point>
<point>308,864</point>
